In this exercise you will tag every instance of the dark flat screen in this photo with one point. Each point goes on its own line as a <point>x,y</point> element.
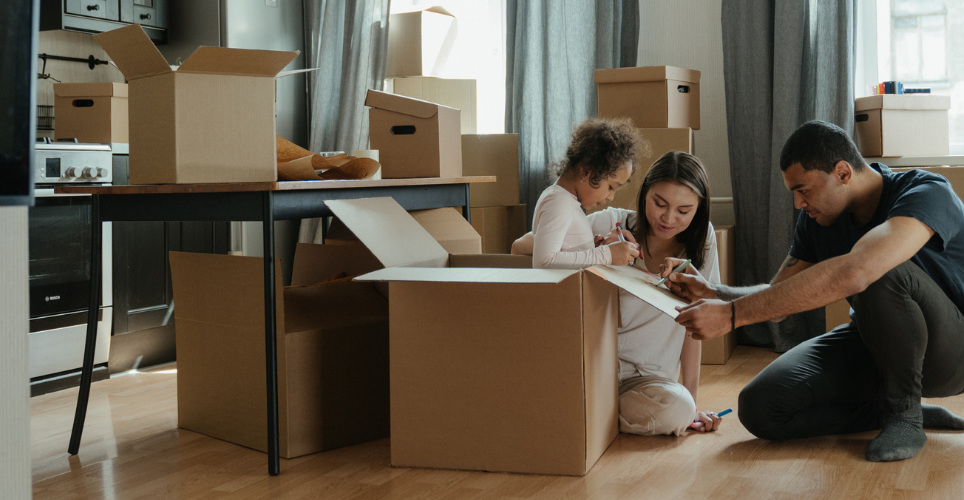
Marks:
<point>18,99</point>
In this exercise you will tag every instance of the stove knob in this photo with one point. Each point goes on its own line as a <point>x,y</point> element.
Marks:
<point>101,172</point>
<point>70,173</point>
<point>89,173</point>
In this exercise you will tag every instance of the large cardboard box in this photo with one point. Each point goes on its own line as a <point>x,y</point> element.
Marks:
<point>458,94</point>
<point>212,120</point>
<point>419,42</point>
<point>492,154</point>
<point>494,365</point>
<point>91,112</point>
<point>414,138</point>
<point>661,141</point>
<point>445,225</point>
<point>499,226</point>
<point>653,96</point>
<point>902,125</point>
<point>332,355</point>
<point>717,351</point>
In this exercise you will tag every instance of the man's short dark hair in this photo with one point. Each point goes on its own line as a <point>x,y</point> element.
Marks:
<point>819,145</point>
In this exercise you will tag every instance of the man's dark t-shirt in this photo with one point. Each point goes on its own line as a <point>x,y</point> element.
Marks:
<point>921,195</point>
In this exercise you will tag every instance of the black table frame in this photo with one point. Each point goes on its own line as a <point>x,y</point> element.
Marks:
<point>263,206</point>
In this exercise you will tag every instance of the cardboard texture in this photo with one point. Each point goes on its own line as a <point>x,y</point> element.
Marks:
<point>902,125</point>
<point>661,141</point>
<point>419,42</point>
<point>492,154</point>
<point>91,112</point>
<point>414,138</point>
<point>499,227</point>
<point>458,94</point>
<point>717,351</point>
<point>212,120</point>
<point>652,96</point>
<point>332,356</point>
<point>445,225</point>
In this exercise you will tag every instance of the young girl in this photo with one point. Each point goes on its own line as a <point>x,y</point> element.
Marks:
<point>671,221</point>
<point>598,161</point>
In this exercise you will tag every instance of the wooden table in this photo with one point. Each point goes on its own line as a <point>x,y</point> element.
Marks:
<point>256,201</point>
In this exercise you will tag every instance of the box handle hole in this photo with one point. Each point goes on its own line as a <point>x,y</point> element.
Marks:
<point>862,117</point>
<point>683,89</point>
<point>83,103</point>
<point>403,130</point>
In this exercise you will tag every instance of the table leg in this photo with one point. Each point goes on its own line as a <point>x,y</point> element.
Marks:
<point>466,209</point>
<point>271,337</point>
<point>80,414</point>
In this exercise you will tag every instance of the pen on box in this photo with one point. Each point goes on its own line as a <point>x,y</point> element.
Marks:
<point>678,269</point>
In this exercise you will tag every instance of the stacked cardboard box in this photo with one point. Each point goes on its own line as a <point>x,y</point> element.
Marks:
<point>717,351</point>
<point>496,213</point>
<point>902,125</point>
<point>91,112</point>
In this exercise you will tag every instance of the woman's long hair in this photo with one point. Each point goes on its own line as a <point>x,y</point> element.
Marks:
<point>688,170</point>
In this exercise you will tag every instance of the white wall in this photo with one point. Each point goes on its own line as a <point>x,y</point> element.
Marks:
<point>15,481</point>
<point>688,33</point>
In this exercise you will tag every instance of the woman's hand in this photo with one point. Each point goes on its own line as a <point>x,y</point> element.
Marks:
<point>623,252</point>
<point>688,284</point>
<point>706,421</point>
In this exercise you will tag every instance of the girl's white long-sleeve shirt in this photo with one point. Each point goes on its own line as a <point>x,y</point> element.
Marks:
<point>563,236</point>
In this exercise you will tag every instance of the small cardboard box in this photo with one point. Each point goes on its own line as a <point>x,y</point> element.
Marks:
<point>902,125</point>
<point>661,141</point>
<point>499,226</point>
<point>419,42</point>
<point>414,138</point>
<point>492,154</point>
<point>458,94</point>
<point>332,355</point>
<point>212,120</point>
<point>492,368</point>
<point>652,96</point>
<point>91,112</point>
<point>717,351</point>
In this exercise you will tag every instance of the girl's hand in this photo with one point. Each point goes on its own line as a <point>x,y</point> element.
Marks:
<point>623,252</point>
<point>688,284</point>
<point>706,421</point>
<point>613,237</point>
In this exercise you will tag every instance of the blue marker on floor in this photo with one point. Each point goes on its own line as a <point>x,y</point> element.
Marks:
<point>725,412</point>
<point>697,424</point>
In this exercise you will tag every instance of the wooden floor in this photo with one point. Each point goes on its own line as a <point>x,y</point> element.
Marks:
<point>132,448</point>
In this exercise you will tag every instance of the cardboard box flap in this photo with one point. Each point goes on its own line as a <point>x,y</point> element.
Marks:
<point>90,89</point>
<point>450,229</point>
<point>436,9</point>
<point>392,235</point>
<point>640,284</point>
<point>469,275</point>
<point>133,52</point>
<point>905,101</point>
<point>646,73</point>
<point>241,62</point>
<point>402,104</point>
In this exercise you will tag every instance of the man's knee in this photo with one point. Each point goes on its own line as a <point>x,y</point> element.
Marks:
<point>754,410</point>
<point>892,283</point>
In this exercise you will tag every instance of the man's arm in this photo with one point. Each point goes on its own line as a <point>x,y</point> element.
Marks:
<point>694,287</point>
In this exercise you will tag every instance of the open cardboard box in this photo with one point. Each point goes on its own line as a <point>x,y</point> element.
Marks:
<point>420,42</point>
<point>494,365</point>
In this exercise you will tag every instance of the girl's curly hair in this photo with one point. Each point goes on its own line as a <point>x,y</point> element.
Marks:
<point>601,146</point>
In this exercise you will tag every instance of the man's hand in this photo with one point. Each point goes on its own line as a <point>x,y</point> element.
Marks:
<point>706,318</point>
<point>688,284</point>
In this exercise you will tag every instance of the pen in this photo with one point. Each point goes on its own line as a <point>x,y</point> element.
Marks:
<point>678,269</point>
<point>698,424</point>
<point>619,232</point>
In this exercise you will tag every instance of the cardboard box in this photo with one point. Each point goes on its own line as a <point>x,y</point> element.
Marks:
<point>499,226</point>
<point>414,138</point>
<point>91,112</point>
<point>837,313</point>
<point>419,42</point>
<point>653,96</point>
<point>955,175</point>
<point>332,355</point>
<point>458,94</point>
<point>661,141</point>
<point>717,351</point>
<point>212,120</point>
<point>492,154</point>
<point>492,368</point>
<point>445,225</point>
<point>902,125</point>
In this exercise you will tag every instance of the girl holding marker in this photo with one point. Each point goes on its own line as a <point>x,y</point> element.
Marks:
<point>671,222</point>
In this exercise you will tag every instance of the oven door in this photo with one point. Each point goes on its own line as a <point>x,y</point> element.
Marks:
<point>59,254</point>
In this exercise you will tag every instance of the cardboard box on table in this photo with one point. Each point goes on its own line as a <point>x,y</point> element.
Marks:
<point>91,112</point>
<point>499,226</point>
<point>414,138</point>
<point>717,351</point>
<point>902,125</point>
<point>458,94</point>
<point>492,154</point>
<point>652,96</point>
<point>332,354</point>
<point>212,120</point>
<point>419,42</point>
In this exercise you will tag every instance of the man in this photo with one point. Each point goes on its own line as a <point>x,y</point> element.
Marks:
<point>893,245</point>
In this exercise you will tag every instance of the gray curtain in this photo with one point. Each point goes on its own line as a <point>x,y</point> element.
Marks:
<point>552,48</point>
<point>785,63</point>
<point>348,40</point>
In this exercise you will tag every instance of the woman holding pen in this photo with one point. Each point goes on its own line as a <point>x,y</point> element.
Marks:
<point>671,221</point>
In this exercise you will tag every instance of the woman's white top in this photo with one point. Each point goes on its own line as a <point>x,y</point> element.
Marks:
<point>563,237</point>
<point>650,341</point>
